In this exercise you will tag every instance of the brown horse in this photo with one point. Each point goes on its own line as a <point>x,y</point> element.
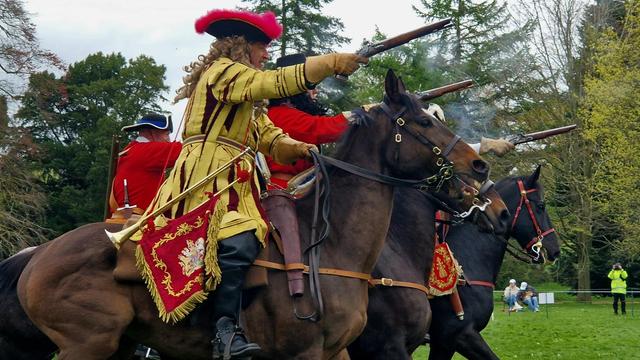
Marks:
<point>69,292</point>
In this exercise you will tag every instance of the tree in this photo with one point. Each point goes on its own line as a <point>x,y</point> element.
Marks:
<point>21,199</point>
<point>487,45</point>
<point>21,207</point>
<point>20,52</point>
<point>483,42</point>
<point>72,120</point>
<point>306,30</point>
<point>610,112</point>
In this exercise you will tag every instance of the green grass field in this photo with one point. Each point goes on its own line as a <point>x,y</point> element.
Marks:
<point>569,331</point>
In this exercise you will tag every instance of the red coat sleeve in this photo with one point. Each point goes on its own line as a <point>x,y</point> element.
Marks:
<point>157,154</point>
<point>308,128</point>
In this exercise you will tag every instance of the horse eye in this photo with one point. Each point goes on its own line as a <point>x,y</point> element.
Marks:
<point>424,121</point>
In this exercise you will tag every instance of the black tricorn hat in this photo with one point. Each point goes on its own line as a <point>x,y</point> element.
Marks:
<point>151,120</point>
<point>289,60</point>
<point>222,23</point>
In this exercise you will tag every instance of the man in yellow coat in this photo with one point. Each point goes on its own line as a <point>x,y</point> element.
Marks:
<point>226,90</point>
<point>618,277</point>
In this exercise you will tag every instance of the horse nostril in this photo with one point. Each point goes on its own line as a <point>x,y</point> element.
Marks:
<point>504,215</point>
<point>480,166</point>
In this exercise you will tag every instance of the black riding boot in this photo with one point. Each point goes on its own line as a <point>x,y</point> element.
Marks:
<point>235,255</point>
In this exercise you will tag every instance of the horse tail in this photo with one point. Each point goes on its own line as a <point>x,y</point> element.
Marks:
<point>11,268</point>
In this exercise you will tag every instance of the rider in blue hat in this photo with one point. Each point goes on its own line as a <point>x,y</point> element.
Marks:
<point>141,165</point>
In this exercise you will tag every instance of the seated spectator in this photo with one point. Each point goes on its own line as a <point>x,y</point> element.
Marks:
<point>511,295</point>
<point>529,296</point>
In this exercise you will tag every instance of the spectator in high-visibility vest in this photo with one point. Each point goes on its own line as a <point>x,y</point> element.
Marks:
<point>618,278</point>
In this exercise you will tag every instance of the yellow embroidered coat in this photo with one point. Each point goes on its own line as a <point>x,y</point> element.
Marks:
<point>222,105</point>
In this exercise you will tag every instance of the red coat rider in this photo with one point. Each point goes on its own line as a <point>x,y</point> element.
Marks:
<point>142,163</point>
<point>303,119</point>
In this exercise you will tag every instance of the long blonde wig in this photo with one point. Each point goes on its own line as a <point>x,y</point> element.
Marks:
<point>235,48</point>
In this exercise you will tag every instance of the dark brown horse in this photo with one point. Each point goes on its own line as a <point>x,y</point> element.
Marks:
<point>407,256</point>
<point>69,292</point>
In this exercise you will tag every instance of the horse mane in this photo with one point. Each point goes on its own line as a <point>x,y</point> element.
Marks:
<point>507,181</point>
<point>12,267</point>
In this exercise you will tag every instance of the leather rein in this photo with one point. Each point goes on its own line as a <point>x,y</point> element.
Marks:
<point>432,184</point>
<point>536,241</point>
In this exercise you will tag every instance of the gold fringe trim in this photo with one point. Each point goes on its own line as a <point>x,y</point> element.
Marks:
<point>192,301</point>
<point>213,274</point>
<point>178,313</point>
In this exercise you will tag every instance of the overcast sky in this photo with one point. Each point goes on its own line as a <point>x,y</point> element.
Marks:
<point>165,31</point>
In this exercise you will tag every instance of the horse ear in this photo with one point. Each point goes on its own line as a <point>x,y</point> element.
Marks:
<point>401,87</point>
<point>393,86</point>
<point>533,178</point>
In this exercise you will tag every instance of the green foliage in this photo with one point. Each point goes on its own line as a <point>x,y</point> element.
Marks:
<point>306,30</point>
<point>482,42</point>
<point>72,120</point>
<point>569,331</point>
<point>611,110</point>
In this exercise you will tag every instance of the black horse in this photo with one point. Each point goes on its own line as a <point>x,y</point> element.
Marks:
<point>20,339</point>
<point>481,256</point>
<point>399,317</point>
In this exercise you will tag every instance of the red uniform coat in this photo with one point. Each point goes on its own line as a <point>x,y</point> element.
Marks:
<point>142,164</point>
<point>302,127</point>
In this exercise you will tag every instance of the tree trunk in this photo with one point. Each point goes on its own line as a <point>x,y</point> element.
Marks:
<point>584,267</point>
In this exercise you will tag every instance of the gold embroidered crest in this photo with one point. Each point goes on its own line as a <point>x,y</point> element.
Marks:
<point>192,256</point>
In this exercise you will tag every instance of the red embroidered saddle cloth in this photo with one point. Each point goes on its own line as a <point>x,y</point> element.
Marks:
<point>444,271</point>
<point>179,263</point>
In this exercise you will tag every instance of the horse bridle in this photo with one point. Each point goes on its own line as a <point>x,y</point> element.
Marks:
<point>431,183</point>
<point>536,242</point>
<point>445,165</point>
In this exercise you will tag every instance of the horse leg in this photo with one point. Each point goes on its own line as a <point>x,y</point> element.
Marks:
<point>439,352</point>
<point>94,336</point>
<point>342,355</point>
<point>83,311</point>
<point>126,349</point>
<point>471,345</point>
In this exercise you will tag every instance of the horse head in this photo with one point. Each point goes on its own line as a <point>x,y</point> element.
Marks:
<point>413,144</point>
<point>530,222</point>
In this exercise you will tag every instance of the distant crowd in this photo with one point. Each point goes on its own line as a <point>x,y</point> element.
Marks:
<point>517,297</point>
